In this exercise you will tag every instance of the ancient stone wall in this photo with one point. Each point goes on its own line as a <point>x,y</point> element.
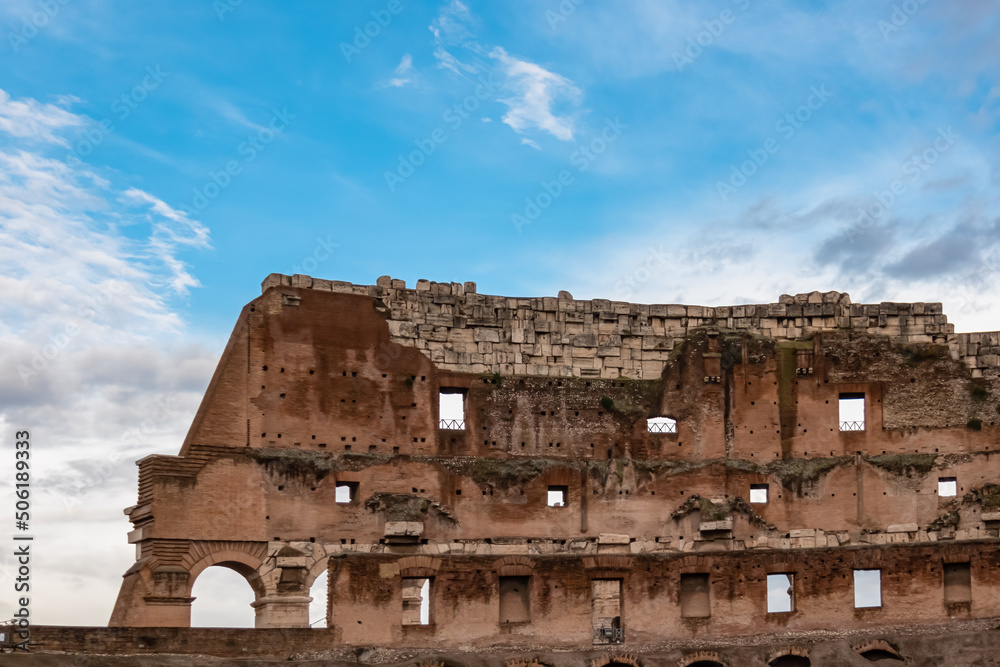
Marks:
<point>319,447</point>
<point>957,643</point>
<point>467,332</point>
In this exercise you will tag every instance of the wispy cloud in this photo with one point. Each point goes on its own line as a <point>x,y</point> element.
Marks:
<point>402,69</point>
<point>537,92</point>
<point>34,121</point>
<point>87,339</point>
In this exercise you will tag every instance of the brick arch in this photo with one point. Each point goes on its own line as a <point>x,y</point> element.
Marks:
<point>317,569</point>
<point>616,659</point>
<point>418,566</point>
<point>694,564</point>
<point>792,656</point>
<point>779,566</point>
<point>877,649</point>
<point>244,558</point>
<point>514,566</point>
<point>701,659</point>
<point>521,662</point>
<point>607,562</point>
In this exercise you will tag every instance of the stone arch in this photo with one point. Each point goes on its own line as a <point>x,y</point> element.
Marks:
<point>418,566</point>
<point>514,566</point>
<point>607,562</point>
<point>789,656</point>
<point>701,659</point>
<point>316,569</point>
<point>616,659</point>
<point>521,662</point>
<point>876,650</point>
<point>692,564</point>
<point>244,560</point>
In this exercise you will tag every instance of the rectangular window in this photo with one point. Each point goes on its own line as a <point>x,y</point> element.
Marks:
<point>758,493</point>
<point>558,496</point>
<point>852,412</point>
<point>451,409</point>
<point>957,583</point>
<point>780,593</point>
<point>345,492</point>
<point>694,596</point>
<point>416,601</point>
<point>661,425</point>
<point>514,599</point>
<point>867,588</point>
<point>947,487</point>
<point>606,614</point>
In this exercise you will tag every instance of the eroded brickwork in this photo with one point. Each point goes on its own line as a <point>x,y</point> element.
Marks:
<point>318,447</point>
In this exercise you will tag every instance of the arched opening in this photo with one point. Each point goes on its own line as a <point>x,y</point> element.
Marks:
<point>706,663</point>
<point>790,661</point>
<point>317,608</point>
<point>223,597</point>
<point>879,655</point>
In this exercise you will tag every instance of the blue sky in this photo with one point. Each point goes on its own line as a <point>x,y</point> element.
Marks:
<point>159,160</point>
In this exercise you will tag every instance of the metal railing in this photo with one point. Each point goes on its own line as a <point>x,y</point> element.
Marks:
<point>452,424</point>
<point>661,427</point>
<point>609,634</point>
<point>852,426</point>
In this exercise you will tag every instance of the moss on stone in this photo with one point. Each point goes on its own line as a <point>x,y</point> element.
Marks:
<point>500,474</point>
<point>793,473</point>
<point>711,511</point>
<point>987,496</point>
<point>295,462</point>
<point>947,520</point>
<point>904,464</point>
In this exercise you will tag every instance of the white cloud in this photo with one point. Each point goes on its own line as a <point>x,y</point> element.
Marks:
<point>537,91</point>
<point>35,121</point>
<point>91,360</point>
<point>528,142</point>
<point>454,26</point>
<point>404,66</point>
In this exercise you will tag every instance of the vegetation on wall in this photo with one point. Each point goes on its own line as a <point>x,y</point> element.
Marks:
<point>906,465</point>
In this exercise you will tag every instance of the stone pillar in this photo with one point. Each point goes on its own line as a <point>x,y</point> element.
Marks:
<point>282,611</point>
<point>167,605</point>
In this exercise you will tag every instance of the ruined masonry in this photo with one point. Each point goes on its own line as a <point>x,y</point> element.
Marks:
<point>785,484</point>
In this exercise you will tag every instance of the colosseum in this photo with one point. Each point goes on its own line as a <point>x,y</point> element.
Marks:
<point>527,482</point>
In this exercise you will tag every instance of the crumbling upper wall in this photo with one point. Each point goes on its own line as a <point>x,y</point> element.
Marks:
<point>466,332</point>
